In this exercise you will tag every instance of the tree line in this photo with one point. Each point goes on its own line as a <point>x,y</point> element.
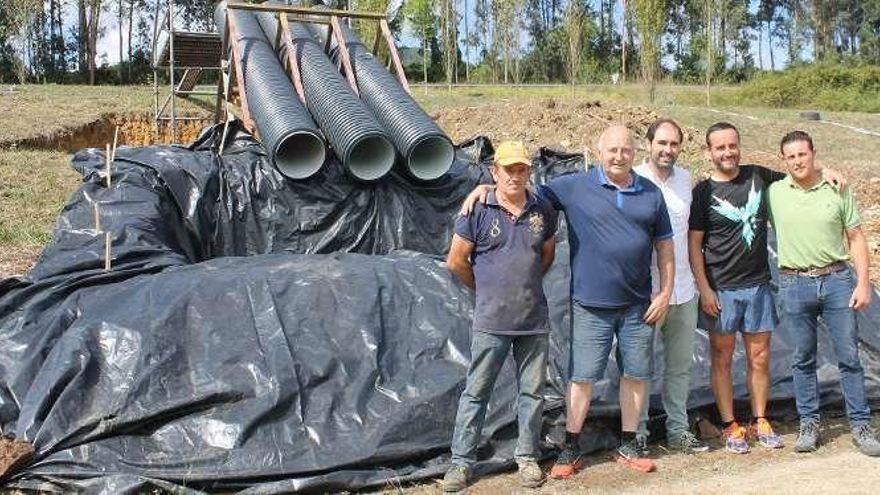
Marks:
<point>500,41</point>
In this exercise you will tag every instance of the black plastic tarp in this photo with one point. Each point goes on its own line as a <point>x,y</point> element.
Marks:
<point>268,335</point>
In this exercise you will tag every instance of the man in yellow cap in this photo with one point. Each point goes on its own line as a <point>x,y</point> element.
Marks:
<point>502,251</point>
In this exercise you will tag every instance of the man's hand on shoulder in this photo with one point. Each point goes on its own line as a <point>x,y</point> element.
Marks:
<point>835,178</point>
<point>479,194</point>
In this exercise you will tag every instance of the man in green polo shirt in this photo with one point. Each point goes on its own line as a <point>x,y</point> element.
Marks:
<point>813,224</point>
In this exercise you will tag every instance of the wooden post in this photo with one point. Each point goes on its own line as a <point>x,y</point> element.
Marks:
<point>336,32</point>
<point>395,58</point>
<point>293,65</point>
<point>97,219</point>
<point>115,141</point>
<point>239,76</point>
<point>107,161</point>
<point>107,241</point>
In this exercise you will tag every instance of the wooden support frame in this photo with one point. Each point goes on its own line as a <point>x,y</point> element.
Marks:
<point>344,59</point>
<point>395,57</point>
<point>304,10</point>
<point>232,32</point>
<point>230,45</point>
<point>292,63</point>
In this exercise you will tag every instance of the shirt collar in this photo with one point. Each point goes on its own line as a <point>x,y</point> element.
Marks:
<point>634,187</point>
<point>492,199</point>
<point>791,183</point>
<point>646,169</point>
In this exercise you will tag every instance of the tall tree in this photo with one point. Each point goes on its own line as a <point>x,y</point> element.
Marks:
<point>449,36</point>
<point>506,32</point>
<point>419,15</point>
<point>93,21</point>
<point>650,18</point>
<point>484,35</point>
<point>574,29</point>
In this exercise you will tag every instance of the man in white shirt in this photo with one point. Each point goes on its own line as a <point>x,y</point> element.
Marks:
<point>679,327</point>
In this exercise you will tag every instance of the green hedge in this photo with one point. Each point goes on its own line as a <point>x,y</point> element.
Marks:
<point>821,87</point>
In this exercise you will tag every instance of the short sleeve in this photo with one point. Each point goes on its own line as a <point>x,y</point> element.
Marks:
<point>769,176</point>
<point>697,219</point>
<point>551,192</point>
<point>551,223</point>
<point>465,226</point>
<point>662,224</point>
<point>848,209</point>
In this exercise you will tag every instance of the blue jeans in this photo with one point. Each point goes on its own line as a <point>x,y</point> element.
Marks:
<point>488,352</point>
<point>804,300</point>
<point>592,336</point>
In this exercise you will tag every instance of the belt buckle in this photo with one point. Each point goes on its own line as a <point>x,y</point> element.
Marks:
<point>813,272</point>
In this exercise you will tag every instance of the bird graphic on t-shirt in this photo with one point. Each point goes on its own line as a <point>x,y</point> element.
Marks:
<point>747,215</point>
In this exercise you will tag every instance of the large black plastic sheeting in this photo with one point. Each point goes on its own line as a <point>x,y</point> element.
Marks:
<point>268,335</point>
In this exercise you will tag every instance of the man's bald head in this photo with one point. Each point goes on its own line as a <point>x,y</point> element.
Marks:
<point>616,152</point>
<point>617,132</point>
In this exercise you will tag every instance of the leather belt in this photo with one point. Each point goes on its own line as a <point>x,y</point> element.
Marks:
<point>815,272</point>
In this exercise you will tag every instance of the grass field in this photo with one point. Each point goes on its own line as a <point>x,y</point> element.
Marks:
<point>35,183</point>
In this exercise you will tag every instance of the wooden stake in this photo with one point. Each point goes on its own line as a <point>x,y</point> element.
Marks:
<point>107,165</point>
<point>293,65</point>
<point>107,252</point>
<point>336,32</point>
<point>97,219</point>
<point>395,58</point>
<point>115,140</point>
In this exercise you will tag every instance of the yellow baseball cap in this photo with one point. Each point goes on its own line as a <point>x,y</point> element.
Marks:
<point>510,153</point>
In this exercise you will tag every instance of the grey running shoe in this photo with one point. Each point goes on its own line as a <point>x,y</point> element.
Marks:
<point>687,443</point>
<point>808,436</point>
<point>456,479</point>
<point>530,474</point>
<point>866,440</point>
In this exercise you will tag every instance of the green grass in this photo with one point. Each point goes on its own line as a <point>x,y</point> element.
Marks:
<point>822,86</point>
<point>35,184</point>
<point>34,111</point>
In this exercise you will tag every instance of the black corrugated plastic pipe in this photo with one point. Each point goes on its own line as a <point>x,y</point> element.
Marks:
<point>288,132</point>
<point>427,151</point>
<point>359,140</point>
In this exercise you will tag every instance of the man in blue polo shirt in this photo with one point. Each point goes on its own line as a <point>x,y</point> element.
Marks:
<point>503,250</point>
<point>615,221</point>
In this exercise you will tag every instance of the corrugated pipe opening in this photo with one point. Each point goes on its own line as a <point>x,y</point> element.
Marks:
<point>299,154</point>
<point>429,158</point>
<point>371,157</point>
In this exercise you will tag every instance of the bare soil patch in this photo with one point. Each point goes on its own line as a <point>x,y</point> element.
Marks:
<point>573,124</point>
<point>837,467</point>
<point>14,454</point>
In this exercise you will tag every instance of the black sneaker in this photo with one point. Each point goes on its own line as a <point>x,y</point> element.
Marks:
<point>568,463</point>
<point>808,436</point>
<point>687,443</point>
<point>632,454</point>
<point>456,478</point>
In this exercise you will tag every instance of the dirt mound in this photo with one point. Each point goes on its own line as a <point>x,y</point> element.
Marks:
<point>563,124</point>
<point>134,130</point>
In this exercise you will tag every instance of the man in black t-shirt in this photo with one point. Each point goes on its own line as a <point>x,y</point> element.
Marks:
<point>728,255</point>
